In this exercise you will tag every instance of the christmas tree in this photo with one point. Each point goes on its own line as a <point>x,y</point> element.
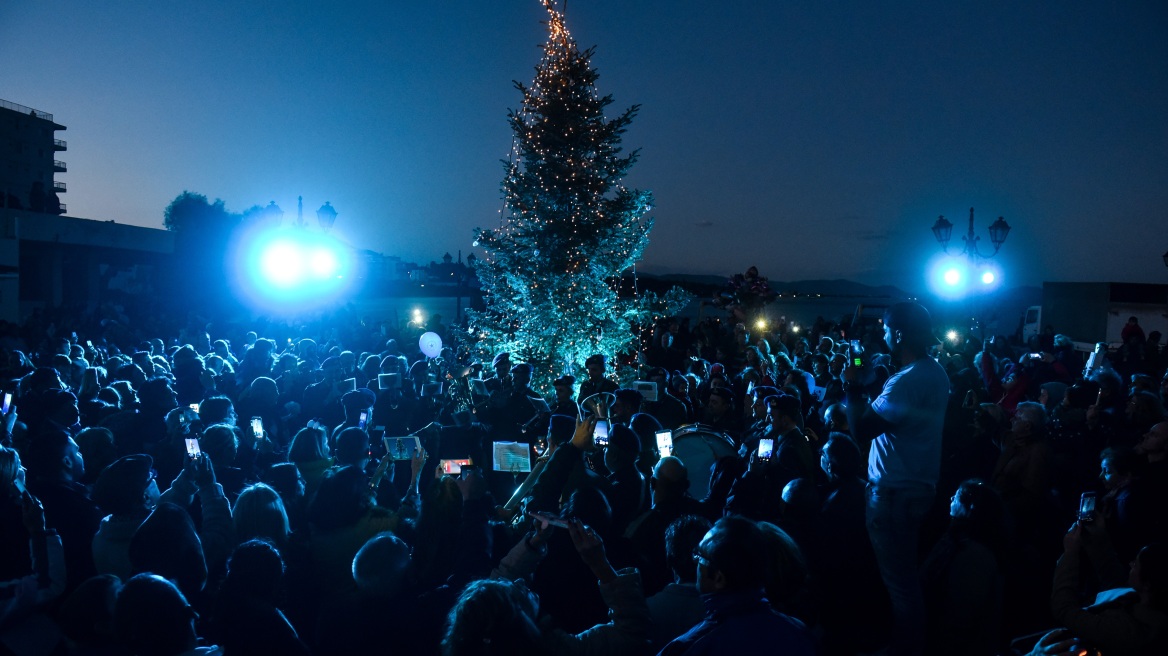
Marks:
<point>550,273</point>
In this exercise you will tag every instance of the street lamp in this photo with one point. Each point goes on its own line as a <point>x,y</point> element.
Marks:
<point>326,215</point>
<point>999,229</point>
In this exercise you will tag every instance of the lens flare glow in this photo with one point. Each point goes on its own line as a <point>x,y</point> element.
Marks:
<point>290,269</point>
<point>988,277</point>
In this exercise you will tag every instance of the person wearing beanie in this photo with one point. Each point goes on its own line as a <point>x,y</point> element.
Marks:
<point>628,403</point>
<point>125,489</point>
<point>565,403</point>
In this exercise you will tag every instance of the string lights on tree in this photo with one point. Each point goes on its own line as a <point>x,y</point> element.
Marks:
<point>570,227</point>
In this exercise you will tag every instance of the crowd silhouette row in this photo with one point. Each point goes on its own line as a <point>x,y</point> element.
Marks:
<point>325,488</point>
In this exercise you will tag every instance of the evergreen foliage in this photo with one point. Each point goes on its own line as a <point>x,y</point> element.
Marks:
<point>551,270</point>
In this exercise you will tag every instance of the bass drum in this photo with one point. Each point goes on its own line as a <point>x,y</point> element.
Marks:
<point>699,447</point>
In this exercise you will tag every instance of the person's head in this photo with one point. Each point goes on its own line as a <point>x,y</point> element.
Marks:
<point>732,557</point>
<point>623,447</point>
<point>670,480</point>
<point>1051,394</point>
<point>97,448</point>
<point>54,456</point>
<point>908,329</point>
<point>1143,409</point>
<point>342,500</point>
<point>158,396</point>
<point>168,545</point>
<point>597,366</point>
<point>380,565</point>
<point>681,539</point>
<point>217,410</point>
<point>1117,466</point>
<point>788,568</point>
<point>261,394</point>
<point>255,570</point>
<point>356,402</point>
<point>835,417</point>
<point>493,616</point>
<point>221,444</point>
<point>87,614</point>
<point>126,487</point>
<point>565,388</point>
<point>259,513</point>
<point>352,448</point>
<point>591,507</point>
<point>521,374</point>
<point>1029,421</point>
<point>285,479</point>
<point>628,403</point>
<point>840,458</point>
<point>153,618</point>
<point>977,510</point>
<point>1154,443</point>
<point>784,411</point>
<point>308,444</point>
<point>721,403</point>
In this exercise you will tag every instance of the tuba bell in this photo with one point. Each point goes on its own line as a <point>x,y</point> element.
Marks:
<point>599,404</point>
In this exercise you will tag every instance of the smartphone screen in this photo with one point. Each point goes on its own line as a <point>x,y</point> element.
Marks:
<point>665,443</point>
<point>856,354</point>
<point>349,384</point>
<point>193,449</point>
<point>257,426</point>
<point>7,402</point>
<point>195,407</point>
<point>453,466</point>
<point>364,418</point>
<point>1086,506</point>
<point>600,433</point>
<point>766,448</point>
<point>19,485</point>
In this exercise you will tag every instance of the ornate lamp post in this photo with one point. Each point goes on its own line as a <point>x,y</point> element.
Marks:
<point>999,229</point>
<point>326,215</point>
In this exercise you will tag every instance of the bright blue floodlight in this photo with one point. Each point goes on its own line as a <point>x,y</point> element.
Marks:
<point>952,276</point>
<point>988,277</point>
<point>290,269</point>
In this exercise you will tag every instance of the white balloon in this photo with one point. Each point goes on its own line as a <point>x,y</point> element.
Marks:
<point>431,344</point>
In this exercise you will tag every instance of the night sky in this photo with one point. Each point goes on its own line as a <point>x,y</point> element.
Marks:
<point>815,140</point>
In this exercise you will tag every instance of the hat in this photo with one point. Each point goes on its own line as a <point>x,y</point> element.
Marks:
<point>359,398</point>
<point>787,405</point>
<point>658,372</point>
<point>501,357</point>
<point>120,486</point>
<point>1055,390</point>
<point>564,381</point>
<point>912,320</point>
<point>623,437</point>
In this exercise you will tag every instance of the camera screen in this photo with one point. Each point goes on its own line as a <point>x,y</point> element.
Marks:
<point>665,443</point>
<point>600,433</point>
<point>193,447</point>
<point>766,448</point>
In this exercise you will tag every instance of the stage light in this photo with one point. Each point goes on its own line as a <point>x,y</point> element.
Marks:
<point>952,277</point>
<point>289,269</point>
<point>987,277</point>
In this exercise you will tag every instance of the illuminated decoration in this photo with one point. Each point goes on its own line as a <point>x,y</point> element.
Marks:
<point>954,277</point>
<point>550,271</point>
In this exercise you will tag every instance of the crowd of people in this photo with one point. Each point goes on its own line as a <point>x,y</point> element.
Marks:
<point>328,489</point>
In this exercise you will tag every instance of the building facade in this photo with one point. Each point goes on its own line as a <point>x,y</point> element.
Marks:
<point>28,160</point>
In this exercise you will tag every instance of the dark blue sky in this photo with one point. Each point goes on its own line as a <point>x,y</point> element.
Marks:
<point>812,139</point>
